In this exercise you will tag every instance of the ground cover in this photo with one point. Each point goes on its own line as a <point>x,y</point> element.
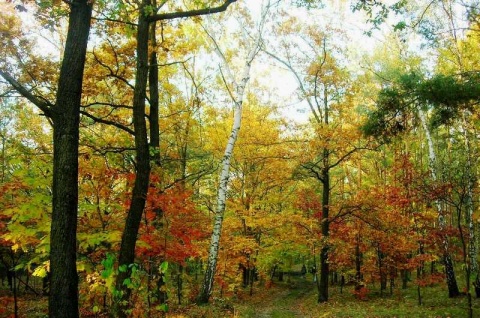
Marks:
<point>296,297</point>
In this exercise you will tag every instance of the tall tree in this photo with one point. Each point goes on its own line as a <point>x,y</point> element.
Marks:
<point>237,94</point>
<point>65,116</point>
<point>147,14</point>
<point>326,89</point>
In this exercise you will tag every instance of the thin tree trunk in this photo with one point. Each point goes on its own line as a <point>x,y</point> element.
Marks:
<point>325,222</point>
<point>325,227</point>
<point>140,188</point>
<point>154,94</point>
<point>239,91</point>
<point>453,290</point>
<point>470,181</point>
<point>207,286</point>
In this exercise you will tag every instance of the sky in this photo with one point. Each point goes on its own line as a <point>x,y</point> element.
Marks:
<point>335,14</point>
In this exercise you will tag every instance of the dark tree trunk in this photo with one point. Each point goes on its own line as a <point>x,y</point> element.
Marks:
<point>180,284</point>
<point>324,268</point>
<point>140,188</point>
<point>154,95</point>
<point>358,262</point>
<point>15,293</point>
<point>405,277</point>
<point>382,271</point>
<point>63,300</point>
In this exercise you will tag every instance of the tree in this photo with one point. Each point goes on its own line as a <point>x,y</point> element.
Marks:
<point>65,116</point>
<point>399,104</point>
<point>146,15</point>
<point>327,91</point>
<point>237,96</point>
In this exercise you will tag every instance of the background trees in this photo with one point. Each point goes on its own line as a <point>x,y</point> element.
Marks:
<point>373,184</point>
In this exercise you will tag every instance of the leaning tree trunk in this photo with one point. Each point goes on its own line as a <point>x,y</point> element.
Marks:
<point>239,91</point>
<point>140,188</point>
<point>452,285</point>
<point>207,286</point>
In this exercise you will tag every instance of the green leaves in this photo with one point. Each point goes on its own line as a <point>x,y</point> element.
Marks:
<point>446,95</point>
<point>108,264</point>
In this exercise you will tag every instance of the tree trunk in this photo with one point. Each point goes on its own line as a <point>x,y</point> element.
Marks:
<point>325,222</point>
<point>453,290</point>
<point>469,205</point>
<point>63,300</point>
<point>239,91</point>
<point>207,286</point>
<point>154,95</point>
<point>324,268</point>
<point>140,188</point>
<point>358,262</point>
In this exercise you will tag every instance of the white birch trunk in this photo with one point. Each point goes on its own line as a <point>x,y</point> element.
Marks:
<point>237,96</point>
<point>432,159</point>
<point>472,247</point>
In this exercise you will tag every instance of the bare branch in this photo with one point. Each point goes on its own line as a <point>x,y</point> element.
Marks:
<point>191,13</point>
<point>299,81</point>
<point>115,21</point>
<point>107,104</point>
<point>44,105</point>
<point>108,122</point>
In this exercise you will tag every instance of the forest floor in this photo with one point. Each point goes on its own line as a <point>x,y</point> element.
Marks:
<point>297,298</point>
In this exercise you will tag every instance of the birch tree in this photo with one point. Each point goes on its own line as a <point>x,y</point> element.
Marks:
<point>442,223</point>
<point>237,95</point>
<point>147,15</point>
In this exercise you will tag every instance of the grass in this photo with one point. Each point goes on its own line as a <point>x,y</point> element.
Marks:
<point>298,298</point>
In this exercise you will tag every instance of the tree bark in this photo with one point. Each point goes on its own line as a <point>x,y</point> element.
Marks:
<point>239,91</point>
<point>129,237</point>
<point>154,95</point>
<point>452,285</point>
<point>63,299</point>
<point>325,227</point>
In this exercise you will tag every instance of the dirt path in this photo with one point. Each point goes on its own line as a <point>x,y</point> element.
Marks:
<point>282,300</point>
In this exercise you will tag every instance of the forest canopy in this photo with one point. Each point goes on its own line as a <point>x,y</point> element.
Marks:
<point>159,155</point>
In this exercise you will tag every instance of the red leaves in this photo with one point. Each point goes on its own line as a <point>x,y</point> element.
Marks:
<point>361,293</point>
<point>431,280</point>
<point>172,225</point>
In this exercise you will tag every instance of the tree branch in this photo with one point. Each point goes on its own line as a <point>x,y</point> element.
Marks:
<point>191,13</point>
<point>299,81</point>
<point>107,122</point>
<point>115,21</point>
<point>44,105</point>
